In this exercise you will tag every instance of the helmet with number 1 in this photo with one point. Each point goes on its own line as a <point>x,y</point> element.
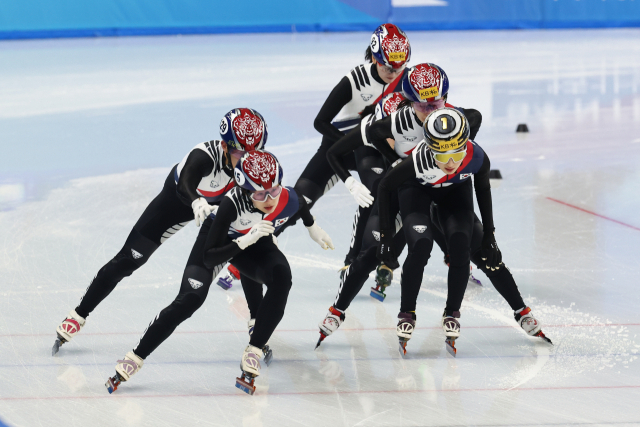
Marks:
<point>390,46</point>
<point>257,171</point>
<point>425,83</point>
<point>244,129</point>
<point>446,130</point>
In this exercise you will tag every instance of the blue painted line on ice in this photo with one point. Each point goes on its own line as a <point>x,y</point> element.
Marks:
<point>2,424</point>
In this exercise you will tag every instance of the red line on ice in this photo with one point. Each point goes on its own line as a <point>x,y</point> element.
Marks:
<point>310,393</point>
<point>578,325</point>
<point>593,213</point>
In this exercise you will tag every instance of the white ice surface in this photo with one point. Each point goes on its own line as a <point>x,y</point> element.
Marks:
<point>89,130</point>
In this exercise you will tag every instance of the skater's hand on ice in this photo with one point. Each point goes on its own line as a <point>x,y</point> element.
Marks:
<point>359,192</point>
<point>201,210</point>
<point>320,236</point>
<point>385,250</point>
<point>261,229</point>
<point>490,252</point>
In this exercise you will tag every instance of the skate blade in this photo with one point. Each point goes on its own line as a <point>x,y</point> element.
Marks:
<point>544,337</point>
<point>245,386</point>
<point>225,284</point>
<point>402,348</point>
<point>112,384</point>
<point>56,346</point>
<point>474,281</point>
<point>380,296</point>
<point>322,337</point>
<point>450,344</point>
<point>268,355</point>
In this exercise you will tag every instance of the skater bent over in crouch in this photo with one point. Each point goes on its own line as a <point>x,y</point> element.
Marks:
<point>371,167</point>
<point>400,124</point>
<point>199,181</point>
<point>448,183</point>
<point>439,171</point>
<point>363,87</point>
<point>395,129</point>
<point>242,232</point>
<point>425,88</point>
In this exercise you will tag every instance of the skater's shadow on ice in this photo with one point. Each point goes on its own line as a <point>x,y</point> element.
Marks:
<point>131,390</point>
<point>79,351</point>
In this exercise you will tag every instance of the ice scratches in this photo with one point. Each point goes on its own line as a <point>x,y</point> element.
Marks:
<point>530,367</point>
<point>56,245</point>
<point>528,370</point>
<point>583,342</point>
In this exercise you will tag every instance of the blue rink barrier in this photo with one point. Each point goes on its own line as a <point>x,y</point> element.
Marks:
<point>86,18</point>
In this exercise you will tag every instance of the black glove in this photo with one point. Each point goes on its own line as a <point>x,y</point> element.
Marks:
<point>369,109</point>
<point>490,252</point>
<point>385,250</point>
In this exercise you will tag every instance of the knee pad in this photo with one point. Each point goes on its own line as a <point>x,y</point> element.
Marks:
<point>371,169</point>
<point>121,266</point>
<point>310,190</point>
<point>138,248</point>
<point>417,226</point>
<point>371,235</point>
<point>133,255</point>
<point>182,308</point>
<point>196,280</point>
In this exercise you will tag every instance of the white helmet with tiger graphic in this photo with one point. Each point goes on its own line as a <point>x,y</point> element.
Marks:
<point>257,171</point>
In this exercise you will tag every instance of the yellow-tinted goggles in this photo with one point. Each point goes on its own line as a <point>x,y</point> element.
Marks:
<point>444,157</point>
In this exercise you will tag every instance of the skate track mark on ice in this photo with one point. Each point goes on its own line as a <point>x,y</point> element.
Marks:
<point>592,213</point>
<point>333,392</point>
<point>541,349</point>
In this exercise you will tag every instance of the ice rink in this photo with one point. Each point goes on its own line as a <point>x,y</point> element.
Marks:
<point>89,129</point>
